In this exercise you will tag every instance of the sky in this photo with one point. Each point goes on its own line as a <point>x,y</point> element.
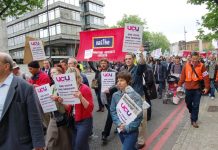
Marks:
<point>167,16</point>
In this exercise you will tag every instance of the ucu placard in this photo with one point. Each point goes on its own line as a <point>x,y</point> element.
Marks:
<point>133,28</point>
<point>108,74</point>
<point>107,80</point>
<point>63,78</point>
<point>42,89</point>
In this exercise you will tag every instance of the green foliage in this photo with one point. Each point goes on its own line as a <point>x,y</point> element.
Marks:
<point>158,40</point>
<point>18,7</point>
<point>131,19</point>
<point>210,19</point>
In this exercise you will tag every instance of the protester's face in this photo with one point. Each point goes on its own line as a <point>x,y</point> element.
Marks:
<point>46,65</point>
<point>16,71</point>
<point>71,63</point>
<point>63,65</point>
<point>33,71</point>
<point>121,84</point>
<point>103,65</point>
<point>177,60</point>
<point>129,60</point>
<point>194,60</point>
<point>3,68</point>
<point>54,72</point>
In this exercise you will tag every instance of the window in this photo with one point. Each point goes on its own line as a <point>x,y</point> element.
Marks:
<point>10,30</point>
<point>51,15</point>
<point>95,8</point>
<point>42,18</point>
<point>43,33</point>
<point>58,28</point>
<point>52,30</point>
<point>11,42</point>
<point>57,13</point>
<point>76,15</point>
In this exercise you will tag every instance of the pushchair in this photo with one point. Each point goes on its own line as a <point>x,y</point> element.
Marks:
<point>171,90</point>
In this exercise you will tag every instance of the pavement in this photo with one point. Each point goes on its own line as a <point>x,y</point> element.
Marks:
<point>206,136</point>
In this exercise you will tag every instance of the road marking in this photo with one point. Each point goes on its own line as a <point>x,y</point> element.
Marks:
<point>170,130</point>
<point>151,138</point>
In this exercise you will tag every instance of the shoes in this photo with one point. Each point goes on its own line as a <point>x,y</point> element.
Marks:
<point>104,138</point>
<point>139,146</point>
<point>100,109</point>
<point>195,125</point>
<point>212,98</point>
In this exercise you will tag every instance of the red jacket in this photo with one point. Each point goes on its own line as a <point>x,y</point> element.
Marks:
<point>39,79</point>
<point>81,112</point>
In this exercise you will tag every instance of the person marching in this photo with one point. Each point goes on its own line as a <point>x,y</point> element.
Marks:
<point>192,74</point>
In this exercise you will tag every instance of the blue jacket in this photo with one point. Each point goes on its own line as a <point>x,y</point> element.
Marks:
<point>133,126</point>
<point>137,77</point>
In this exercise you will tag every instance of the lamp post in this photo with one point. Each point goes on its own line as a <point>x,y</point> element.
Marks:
<point>185,37</point>
<point>49,40</point>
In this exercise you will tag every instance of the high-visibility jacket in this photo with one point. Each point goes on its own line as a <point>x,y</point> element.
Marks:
<point>190,75</point>
<point>217,75</point>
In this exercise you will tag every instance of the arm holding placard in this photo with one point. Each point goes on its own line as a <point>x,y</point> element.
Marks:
<point>133,126</point>
<point>113,111</point>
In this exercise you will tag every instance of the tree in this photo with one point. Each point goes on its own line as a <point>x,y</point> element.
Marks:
<point>134,19</point>
<point>209,20</point>
<point>158,40</point>
<point>16,8</point>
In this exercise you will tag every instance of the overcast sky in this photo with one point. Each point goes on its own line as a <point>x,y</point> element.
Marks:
<point>166,16</point>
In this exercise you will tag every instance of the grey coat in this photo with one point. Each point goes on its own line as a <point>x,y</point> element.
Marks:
<point>20,124</point>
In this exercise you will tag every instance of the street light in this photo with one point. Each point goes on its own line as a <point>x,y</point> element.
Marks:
<point>49,40</point>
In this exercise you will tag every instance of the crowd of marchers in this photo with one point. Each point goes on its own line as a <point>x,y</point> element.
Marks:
<point>24,126</point>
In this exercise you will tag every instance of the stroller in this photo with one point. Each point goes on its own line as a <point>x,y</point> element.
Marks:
<point>171,91</point>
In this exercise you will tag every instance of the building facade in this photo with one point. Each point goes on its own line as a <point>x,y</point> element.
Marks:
<point>65,19</point>
<point>3,36</point>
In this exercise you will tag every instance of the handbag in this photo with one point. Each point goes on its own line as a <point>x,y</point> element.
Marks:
<point>94,84</point>
<point>71,119</point>
<point>201,82</point>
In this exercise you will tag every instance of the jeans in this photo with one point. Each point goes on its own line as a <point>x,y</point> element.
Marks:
<point>192,100</point>
<point>212,88</point>
<point>128,140</point>
<point>160,88</point>
<point>109,122</point>
<point>81,134</point>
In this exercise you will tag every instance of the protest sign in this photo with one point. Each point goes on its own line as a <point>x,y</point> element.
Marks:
<point>132,40</point>
<point>105,43</point>
<point>37,50</point>
<point>107,80</point>
<point>44,94</point>
<point>88,53</point>
<point>127,110</point>
<point>66,86</point>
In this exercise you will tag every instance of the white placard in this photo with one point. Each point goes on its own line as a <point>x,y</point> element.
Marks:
<point>37,50</point>
<point>66,86</point>
<point>127,110</point>
<point>132,40</point>
<point>88,53</point>
<point>107,80</point>
<point>44,94</point>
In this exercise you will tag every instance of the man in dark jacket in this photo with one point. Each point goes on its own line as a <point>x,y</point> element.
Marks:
<point>160,73</point>
<point>105,96</point>
<point>137,84</point>
<point>20,122</point>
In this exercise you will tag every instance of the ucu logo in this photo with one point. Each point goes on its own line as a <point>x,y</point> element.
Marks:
<point>107,74</point>
<point>35,43</point>
<point>61,79</point>
<point>133,28</point>
<point>43,89</point>
<point>125,109</point>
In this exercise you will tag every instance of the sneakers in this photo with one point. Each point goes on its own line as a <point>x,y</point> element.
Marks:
<point>212,98</point>
<point>139,146</point>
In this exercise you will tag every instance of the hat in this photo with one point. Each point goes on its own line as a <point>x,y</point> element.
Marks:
<point>34,64</point>
<point>15,65</point>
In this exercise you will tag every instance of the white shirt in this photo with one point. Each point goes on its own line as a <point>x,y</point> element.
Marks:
<point>4,88</point>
